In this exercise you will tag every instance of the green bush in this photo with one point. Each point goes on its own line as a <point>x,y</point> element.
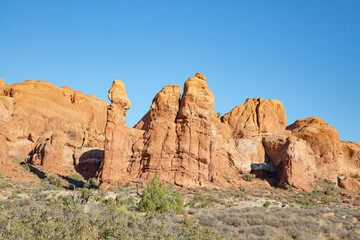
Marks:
<point>325,200</point>
<point>248,177</point>
<point>159,198</point>
<point>266,204</point>
<point>55,181</point>
<point>25,166</point>
<point>86,194</point>
<point>329,193</point>
<point>76,177</point>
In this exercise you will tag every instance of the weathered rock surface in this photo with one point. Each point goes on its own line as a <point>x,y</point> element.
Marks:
<point>182,140</point>
<point>294,160</point>
<point>332,156</point>
<point>160,139</point>
<point>87,161</point>
<point>348,183</point>
<point>48,122</point>
<point>119,140</point>
<point>257,116</point>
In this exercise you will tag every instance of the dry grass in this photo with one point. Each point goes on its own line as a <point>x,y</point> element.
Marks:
<point>44,211</point>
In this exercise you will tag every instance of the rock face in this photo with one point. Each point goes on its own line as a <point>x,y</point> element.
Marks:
<point>160,138</point>
<point>293,159</point>
<point>349,184</point>
<point>332,156</point>
<point>312,151</point>
<point>183,141</point>
<point>47,123</point>
<point>87,162</point>
<point>118,163</point>
<point>257,116</point>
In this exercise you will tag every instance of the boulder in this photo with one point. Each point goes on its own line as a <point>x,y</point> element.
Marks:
<point>49,152</point>
<point>349,183</point>
<point>293,159</point>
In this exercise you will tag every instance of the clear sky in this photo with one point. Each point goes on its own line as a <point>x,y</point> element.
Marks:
<point>304,53</point>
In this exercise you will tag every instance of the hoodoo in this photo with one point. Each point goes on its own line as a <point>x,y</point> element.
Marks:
<point>180,139</point>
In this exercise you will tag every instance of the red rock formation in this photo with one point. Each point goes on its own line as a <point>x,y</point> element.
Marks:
<point>293,159</point>
<point>313,151</point>
<point>348,183</point>
<point>160,138</point>
<point>257,116</point>
<point>324,141</point>
<point>119,140</point>
<point>184,141</point>
<point>87,161</point>
<point>6,109</point>
<point>180,139</point>
<point>34,111</point>
<point>193,128</point>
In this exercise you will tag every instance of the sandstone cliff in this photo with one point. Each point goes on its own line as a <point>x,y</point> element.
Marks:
<point>182,140</point>
<point>44,124</point>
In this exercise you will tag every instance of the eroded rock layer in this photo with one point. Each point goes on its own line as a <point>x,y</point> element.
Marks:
<point>45,124</point>
<point>181,139</point>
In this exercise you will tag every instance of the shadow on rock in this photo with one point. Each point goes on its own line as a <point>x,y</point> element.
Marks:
<point>34,170</point>
<point>265,171</point>
<point>87,162</point>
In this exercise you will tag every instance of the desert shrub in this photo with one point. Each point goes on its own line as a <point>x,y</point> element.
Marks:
<point>206,220</point>
<point>325,200</point>
<point>55,181</point>
<point>192,230</point>
<point>126,201</point>
<point>159,198</point>
<point>76,177</point>
<point>248,177</point>
<point>94,183</point>
<point>86,194</point>
<point>67,200</point>
<point>13,195</point>
<point>329,192</point>
<point>46,186</point>
<point>316,192</point>
<point>99,196</point>
<point>266,204</point>
<point>235,221</point>
<point>203,201</point>
<point>25,166</point>
<point>306,202</point>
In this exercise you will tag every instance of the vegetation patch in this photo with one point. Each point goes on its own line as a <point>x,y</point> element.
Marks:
<point>159,198</point>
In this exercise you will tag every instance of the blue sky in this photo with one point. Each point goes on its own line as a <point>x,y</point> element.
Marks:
<point>304,53</point>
